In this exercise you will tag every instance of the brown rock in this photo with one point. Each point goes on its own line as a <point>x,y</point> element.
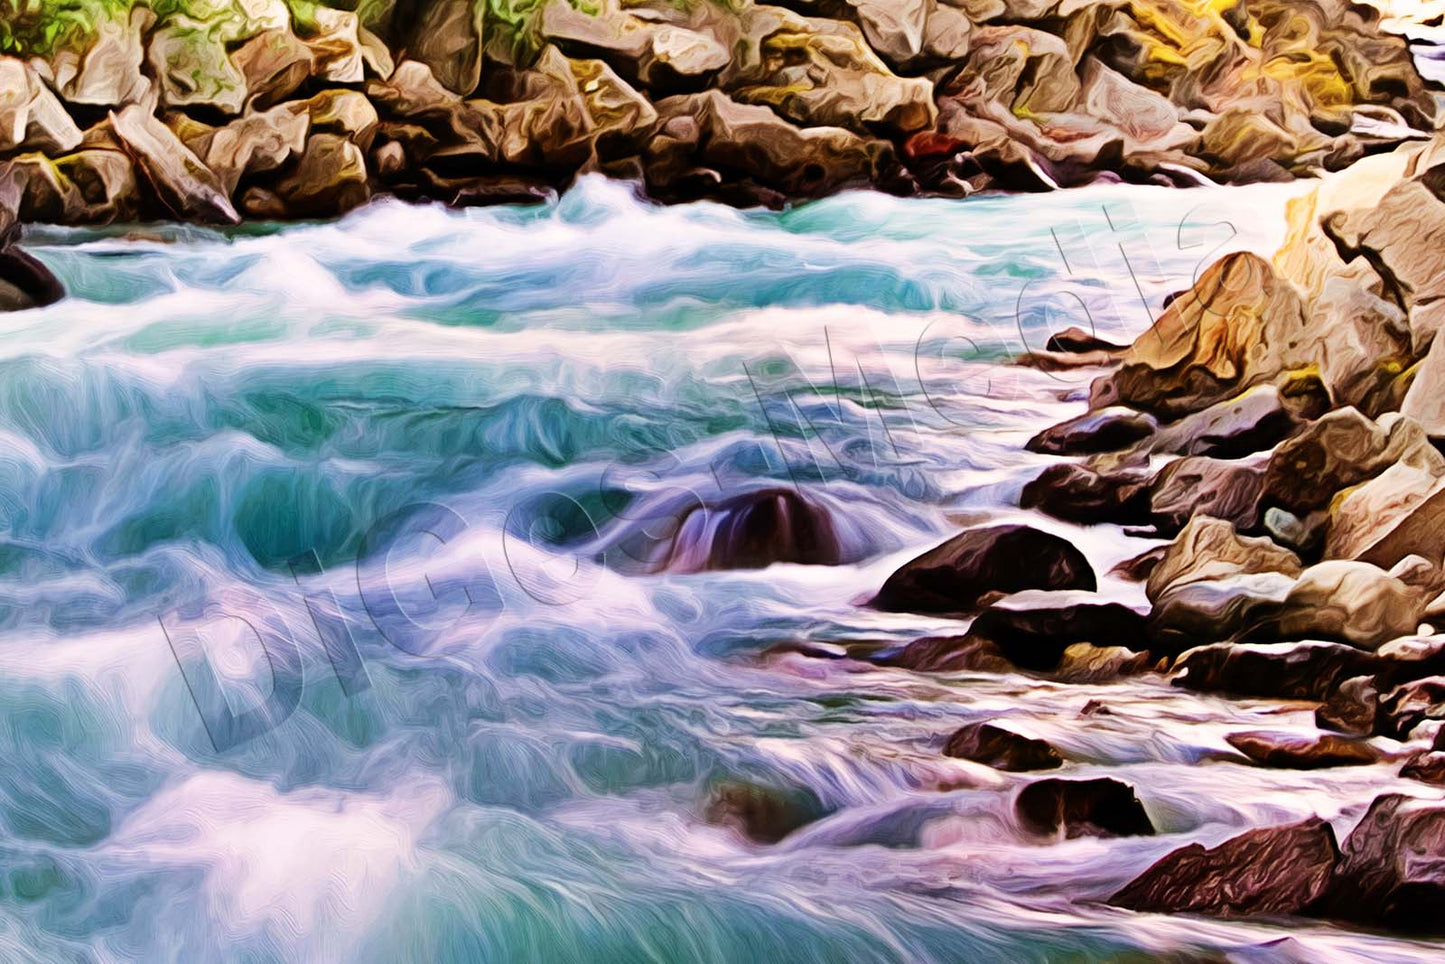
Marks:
<point>31,117</point>
<point>1209,548</point>
<point>1033,630</point>
<point>1199,485</point>
<point>1352,707</point>
<point>953,577</point>
<point>1099,431</point>
<point>1390,874</point>
<point>754,530</point>
<point>1001,749</point>
<point>1077,493</point>
<point>1292,671</point>
<point>328,180</point>
<point>1076,808</point>
<point>274,65</point>
<point>1271,871</point>
<point>1427,768</point>
<point>1288,751</point>
<point>1254,420</point>
<point>1398,513</point>
<point>764,814</point>
<point>188,188</point>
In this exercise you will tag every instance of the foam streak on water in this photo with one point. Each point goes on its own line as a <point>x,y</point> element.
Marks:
<point>484,405</point>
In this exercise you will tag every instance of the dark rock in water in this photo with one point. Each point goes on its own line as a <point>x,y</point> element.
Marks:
<point>1352,708</point>
<point>953,577</point>
<point>1105,430</point>
<point>1095,708</point>
<point>1292,671</point>
<point>1083,808</point>
<point>1392,873</point>
<point>1077,340</point>
<point>755,530</point>
<point>1077,493</point>
<point>1410,704</point>
<point>1001,749</point>
<point>764,814</point>
<point>1270,871</point>
<point>952,654</point>
<point>1426,767</point>
<point>1291,752</point>
<point>25,282</point>
<point>1032,631</point>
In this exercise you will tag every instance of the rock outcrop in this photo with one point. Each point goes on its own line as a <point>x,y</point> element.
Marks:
<point>746,102</point>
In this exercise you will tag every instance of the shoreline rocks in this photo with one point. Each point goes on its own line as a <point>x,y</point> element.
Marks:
<point>746,103</point>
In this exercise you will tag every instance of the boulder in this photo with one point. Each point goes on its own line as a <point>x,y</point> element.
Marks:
<point>255,144</point>
<point>1410,704</point>
<point>1238,326</point>
<point>1390,873</point>
<point>1139,568</point>
<point>1099,431</point>
<point>346,113</point>
<point>31,117</point>
<point>1337,451</point>
<point>1254,420</point>
<point>1350,602</point>
<point>1087,663</point>
<point>818,72</point>
<point>189,60</point>
<point>25,282</point>
<point>707,142</point>
<point>952,578</point>
<point>1425,401</point>
<point>1270,871</point>
<point>337,54</point>
<point>1398,513</point>
<point>1291,671</point>
<point>761,813</point>
<point>1209,548</point>
<point>328,180</point>
<point>664,58</point>
<point>1200,485</point>
<point>109,73</point>
<point>753,530</point>
<point>1289,751</point>
<point>1352,707</point>
<point>273,65</point>
<point>951,654</point>
<point>1245,606</point>
<point>87,187</point>
<point>1074,340</point>
<point>448,36</point>
<point>1101,807</point>
<point>1362,342</point>
<point>1078,493</point>
<point>1032,630</point>
<point>187,188</point>
<point>1001,749</point>
<point>1427,768</point>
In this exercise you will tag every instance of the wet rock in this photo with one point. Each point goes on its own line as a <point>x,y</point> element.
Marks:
<point>188,188</point>
<point>1390,874</point>
<point>1087,663</point>
<point>1032,630</point>
<point>1237,607</point>
<point>763,814</point>
<point>1250,422</point>
<point>1398,513</point>
<point>953,577</point>
<point>952,654</point>
<point>1271,871</point>
<point>753,530</point>
<point>1238,326</point>
<point>1410,704</point>
<point>1199,485</point>
<point>1101,431</point>
<point>1293,671</point>
<point>25,282</point>
<point>1101,807</point>
<point>1077,341</point>
<point>1209,548</point>
<point>1426,767</point>
<point>1288,751</point>
<point>1001,749</point>
<point>1352,707</point>
<point>1078,493</point>
<point>1411,658</point>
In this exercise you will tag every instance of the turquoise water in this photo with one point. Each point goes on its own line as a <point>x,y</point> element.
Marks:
<point>447,432</point>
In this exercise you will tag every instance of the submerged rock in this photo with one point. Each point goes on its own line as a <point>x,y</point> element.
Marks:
<point>952,654</point>
<point>1390,873</point>
<point>1100,431</point>
<point>1270,871</point>
<point>1352,707</point>
<point>1288,751</point>
<point>754,530</point>
<point>1101,807</point>
<point>1001,749</point>
<point>952,578</point>
<point>1077,493</point>
<point>25,282</point>
<point>1033,630</point>
<point>764,814</point>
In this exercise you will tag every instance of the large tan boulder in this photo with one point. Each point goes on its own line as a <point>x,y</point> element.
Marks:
<point>274,64</point>
<point>329,179</point>
<point>179,179</point>
<point>1239,325</point>
<point>1209,548</point>
<point>448,36</point>
<point>1353,602</point>
<point>1398,513</point>
<point>31,116</point>
<point>255,144</point>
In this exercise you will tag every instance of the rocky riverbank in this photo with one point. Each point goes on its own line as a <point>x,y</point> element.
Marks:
<point>114,110</point>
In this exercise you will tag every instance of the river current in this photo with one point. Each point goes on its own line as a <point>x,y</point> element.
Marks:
<point>326,636</point>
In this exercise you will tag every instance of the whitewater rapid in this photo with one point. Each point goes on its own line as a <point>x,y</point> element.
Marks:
<point>432,432</point>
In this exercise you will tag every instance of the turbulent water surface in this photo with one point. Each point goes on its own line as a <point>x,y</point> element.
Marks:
<point>448,432</point>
